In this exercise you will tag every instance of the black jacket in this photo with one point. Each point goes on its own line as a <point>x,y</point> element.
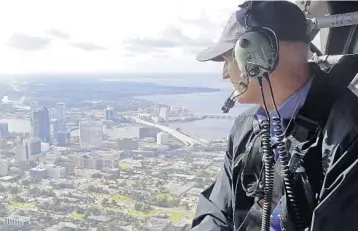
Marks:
<point>225,205</point>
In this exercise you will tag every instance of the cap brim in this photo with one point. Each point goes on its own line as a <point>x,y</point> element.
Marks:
<point>214,53</point>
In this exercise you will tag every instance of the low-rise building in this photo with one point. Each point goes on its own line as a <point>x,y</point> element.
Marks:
<point>15,220</point>
<point>96,160</point>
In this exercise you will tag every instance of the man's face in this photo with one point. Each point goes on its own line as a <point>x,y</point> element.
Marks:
<point>231,70</point>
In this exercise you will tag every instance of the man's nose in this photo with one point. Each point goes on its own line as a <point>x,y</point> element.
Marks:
<point>226,74</point>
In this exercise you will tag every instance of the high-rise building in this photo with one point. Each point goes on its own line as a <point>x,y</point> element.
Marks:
<point>41,124</point>
<point>34,106</point>
<point>148,132</point>
<point>32,147</point>
<point>60,111</point>
<point>52,113</point>
<point>162,138</point>
<point>4,167</point>
<point>109,113</point>
<point>163,113</point>
<point>91,134</point>
<point>4,130</point>
<point>62,138</point>
<point>61,116</point>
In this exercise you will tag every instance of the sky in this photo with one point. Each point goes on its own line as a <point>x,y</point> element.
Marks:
<point>97,36</point>
<point>59,36</point>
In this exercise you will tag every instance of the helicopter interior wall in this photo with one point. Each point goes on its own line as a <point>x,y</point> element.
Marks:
<point>340,40</point>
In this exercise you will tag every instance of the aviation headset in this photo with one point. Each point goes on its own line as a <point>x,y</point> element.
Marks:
<point>256,51</point>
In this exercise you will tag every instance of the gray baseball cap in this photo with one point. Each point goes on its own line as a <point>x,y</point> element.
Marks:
<point>227,41</point>
<point>285,18</point>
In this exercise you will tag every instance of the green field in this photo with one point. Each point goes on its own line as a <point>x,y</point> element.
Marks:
<point>78,216</point>
<point>142,213</point>
<point>174,215</point>
<point>121,197</point>
<point>21,205</point>
<point>127,181</point>
<point>165,196</point>
<point>124,166</point>
<point>95,194</point>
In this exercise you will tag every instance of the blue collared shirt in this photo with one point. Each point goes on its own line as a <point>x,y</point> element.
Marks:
<point>287,110</point>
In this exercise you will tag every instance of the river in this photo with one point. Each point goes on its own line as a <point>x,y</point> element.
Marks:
<point>200,103</point>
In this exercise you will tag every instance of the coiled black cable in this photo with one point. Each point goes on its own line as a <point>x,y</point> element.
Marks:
<point>268,166</point>
<point>268,174</point>
<point>287,176</point>
<point>288,180</point>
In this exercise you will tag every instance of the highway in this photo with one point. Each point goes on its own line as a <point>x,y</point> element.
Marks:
<point>187,140</point>
<point>217,116</point>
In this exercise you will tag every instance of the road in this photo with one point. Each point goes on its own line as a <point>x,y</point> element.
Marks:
<point>218,116</point>
<point>187,140</point>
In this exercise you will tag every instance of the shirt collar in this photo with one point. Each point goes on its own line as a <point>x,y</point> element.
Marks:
<point>291,105</point>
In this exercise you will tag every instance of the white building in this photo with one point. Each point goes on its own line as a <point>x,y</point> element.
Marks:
<point>15,220</point>
<point>163,113</point>
<point>156,111</point>
<point>162,138</point>
<point>4,167</point>
<point>91,134</point>
<point>109,113</point>
<point>39,172</point>
<point>144,116</point>
<point>51,157</point>
<point>20,154</point>
<point>55,171</point>
<point>99,160</point>
<point>34,106</point>
<point>156,119</point>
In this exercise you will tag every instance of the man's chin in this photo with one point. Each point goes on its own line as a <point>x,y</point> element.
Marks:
<point>244,100</point>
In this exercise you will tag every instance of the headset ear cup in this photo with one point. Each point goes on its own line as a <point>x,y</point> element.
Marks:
<point>274,45</point>
<point>256,51</point>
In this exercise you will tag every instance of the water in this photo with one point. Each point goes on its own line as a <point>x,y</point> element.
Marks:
<point>18,125</point>
<point>205,129</point>
<point>197,103</point>
<point>130,131</point>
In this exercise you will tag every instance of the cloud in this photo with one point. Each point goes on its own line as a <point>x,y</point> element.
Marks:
<point>171,37</point>
<point>204,19</point>
<point>88,46</point>
<point>58,33</point>
<point>28,43</point>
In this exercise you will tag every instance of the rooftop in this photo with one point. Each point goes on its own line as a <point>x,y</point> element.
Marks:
<point>20,218</point>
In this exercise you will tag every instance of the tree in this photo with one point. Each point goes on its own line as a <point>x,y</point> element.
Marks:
<point>114,203</point>
<point>2,188</point>
<point>13,190</point>
<point>104,202</point>
<point>138,206</point>
<point>19,199</point>
<point>97,175</point>
<point>96,212</point>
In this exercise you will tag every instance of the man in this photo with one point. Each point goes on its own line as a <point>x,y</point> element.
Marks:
<point>234,201</point>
